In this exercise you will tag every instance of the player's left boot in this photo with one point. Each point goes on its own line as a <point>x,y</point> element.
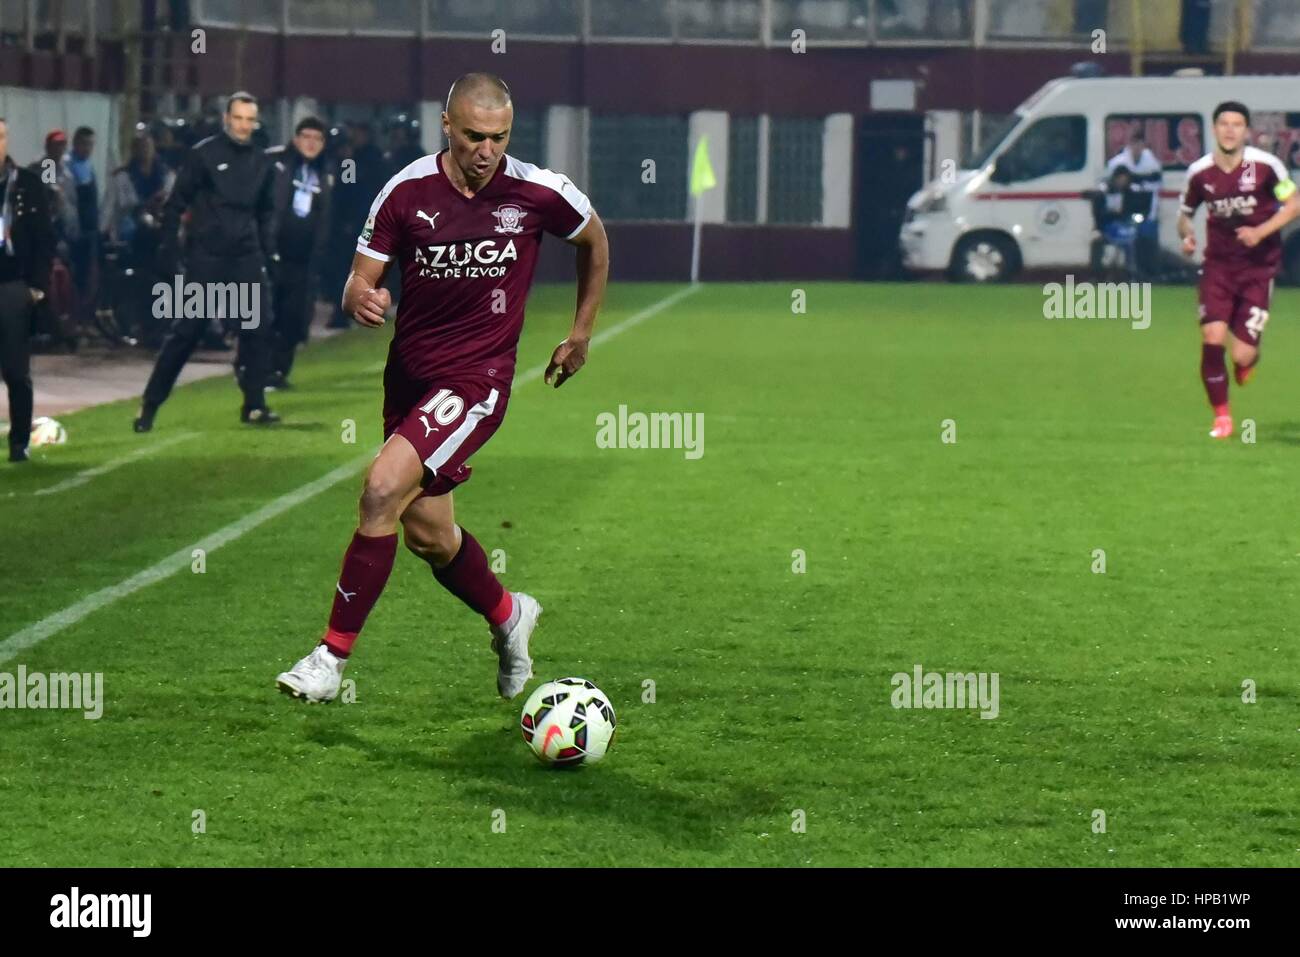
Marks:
<point>1243,373</point>
<point>316,677</point>
<point>512,647</point>
<point>144,421</point>
<point>1222,427</point>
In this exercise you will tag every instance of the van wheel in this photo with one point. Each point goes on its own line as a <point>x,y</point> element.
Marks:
<point>985,257</point>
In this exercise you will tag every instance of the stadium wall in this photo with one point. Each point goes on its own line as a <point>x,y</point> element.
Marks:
<point>572,81</point>
<point>30,114</point>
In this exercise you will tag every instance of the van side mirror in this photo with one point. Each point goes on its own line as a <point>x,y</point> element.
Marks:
<point>1001,171</point>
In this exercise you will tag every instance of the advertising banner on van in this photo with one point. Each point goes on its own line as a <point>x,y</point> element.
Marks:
<point>1175,138</point>
<point>1279,133</point>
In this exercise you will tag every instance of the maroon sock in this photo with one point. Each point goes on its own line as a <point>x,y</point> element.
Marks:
<point>366,567</point>
<point>468,577</point>
<point>1214,373</point>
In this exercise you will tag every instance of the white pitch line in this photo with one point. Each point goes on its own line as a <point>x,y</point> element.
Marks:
<point>36,633</point>
<point>81,478</point>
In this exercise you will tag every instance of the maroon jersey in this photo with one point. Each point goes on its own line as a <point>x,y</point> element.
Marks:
<point>467,264</point>
<point>1247,196</point>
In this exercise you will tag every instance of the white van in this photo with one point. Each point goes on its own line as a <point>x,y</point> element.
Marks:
<point>1019,203</point>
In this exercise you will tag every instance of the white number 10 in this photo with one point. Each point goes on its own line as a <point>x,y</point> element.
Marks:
<point>446,406</point>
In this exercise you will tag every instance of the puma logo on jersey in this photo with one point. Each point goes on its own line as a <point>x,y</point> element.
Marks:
<point>421,214</point>
<point>347,595</point>
<point>428,429</point>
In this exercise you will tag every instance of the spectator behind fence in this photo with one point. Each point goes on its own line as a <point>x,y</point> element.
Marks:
<point>26,248</point>
<point>304,185</point>
<point>131,218</point>
<point>403,150</point>
<point>83,251</point>
<point>61,190</point>
<point>341,242</point>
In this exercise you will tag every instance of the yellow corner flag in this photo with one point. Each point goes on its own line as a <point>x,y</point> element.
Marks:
<point>702,170</point>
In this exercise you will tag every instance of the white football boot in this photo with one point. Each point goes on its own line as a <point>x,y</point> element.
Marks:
<point>512,647</point>
<point>316,677</point>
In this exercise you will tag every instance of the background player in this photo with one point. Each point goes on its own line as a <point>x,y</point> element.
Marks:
<point>1249,197</point>
<point>465,226</point>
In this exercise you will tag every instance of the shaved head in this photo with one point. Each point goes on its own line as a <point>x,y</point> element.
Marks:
<point>477,124</point>
<point>483,90</point>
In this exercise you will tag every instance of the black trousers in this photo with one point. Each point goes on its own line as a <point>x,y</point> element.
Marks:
<point>16,358</point>
<point>295,304</point>
<point>253,356</point>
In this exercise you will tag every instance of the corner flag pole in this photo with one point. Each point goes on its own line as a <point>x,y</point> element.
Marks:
<point>702,179</point>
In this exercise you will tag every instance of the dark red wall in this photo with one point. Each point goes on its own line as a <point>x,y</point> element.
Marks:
<point>648,251</point>
<point>622,78</point>
<point>655,78</point>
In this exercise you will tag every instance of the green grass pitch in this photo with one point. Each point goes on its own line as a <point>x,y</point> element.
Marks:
<point>1120,692</point>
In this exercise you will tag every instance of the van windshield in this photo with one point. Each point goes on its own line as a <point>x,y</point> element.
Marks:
<point>998,135</point>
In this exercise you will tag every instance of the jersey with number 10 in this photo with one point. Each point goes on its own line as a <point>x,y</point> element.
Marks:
<point>466,264</point>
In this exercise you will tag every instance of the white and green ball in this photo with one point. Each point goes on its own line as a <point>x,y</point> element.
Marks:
<point>47,431</point>
<point>568,722</point>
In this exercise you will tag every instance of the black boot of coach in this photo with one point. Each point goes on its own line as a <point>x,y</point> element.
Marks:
<point>144,421</point>
<point>259,416</point>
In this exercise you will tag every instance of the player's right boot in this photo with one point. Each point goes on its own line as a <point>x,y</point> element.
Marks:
<point>316,677</point>
<point>515,666</point>
<point>1243,373</point>
<point>1222,427</point>
<point>258,416</point>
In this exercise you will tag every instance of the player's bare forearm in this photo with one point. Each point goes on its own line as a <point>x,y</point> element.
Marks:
<point>593,274</point>
<point>1187,233</point>
<point>364,297</point>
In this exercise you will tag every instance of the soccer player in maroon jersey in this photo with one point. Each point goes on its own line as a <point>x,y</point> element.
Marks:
<point>1249,197</point>
<point>464,225</point>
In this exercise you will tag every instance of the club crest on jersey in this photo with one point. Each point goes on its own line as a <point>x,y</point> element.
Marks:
<point>508,218</point>
<point>1247,181</point>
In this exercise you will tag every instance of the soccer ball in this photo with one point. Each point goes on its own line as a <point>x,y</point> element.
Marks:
<point>47,431</point>
<point>568,722</point>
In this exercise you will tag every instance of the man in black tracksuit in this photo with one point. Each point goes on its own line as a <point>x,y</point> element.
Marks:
<point>228,186</point>
<point>303,188</point>
<point>26,249</point>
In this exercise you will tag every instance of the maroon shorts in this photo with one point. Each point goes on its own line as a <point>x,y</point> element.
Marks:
<point>1239,297</point>
<point>446,424</point>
